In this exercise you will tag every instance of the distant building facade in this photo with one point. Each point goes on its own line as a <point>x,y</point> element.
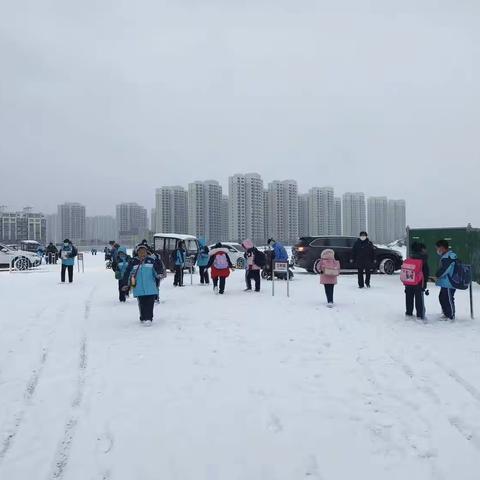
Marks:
<point>24,225</point>
<point>171,207</point>
<point>354,213</point>
<point>132,223</point>
<point>378,219</point>
<point>71,218</point>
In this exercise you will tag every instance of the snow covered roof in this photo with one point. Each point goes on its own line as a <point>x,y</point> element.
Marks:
<point>175,235</point>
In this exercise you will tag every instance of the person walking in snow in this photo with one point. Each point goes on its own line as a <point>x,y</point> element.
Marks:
<point>363,256</point>
<point>447,291</point>
<point>220,265</point>
<point>202,262</point>
<point>143,275</point>
<point>179,257</point>
<point>255,260</point>
<point>329,269</point>
<point>67,253</point>
<point>120,267</point>
<point>415,273</point>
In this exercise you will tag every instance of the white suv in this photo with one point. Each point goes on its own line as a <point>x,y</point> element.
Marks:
<point>18,259</point>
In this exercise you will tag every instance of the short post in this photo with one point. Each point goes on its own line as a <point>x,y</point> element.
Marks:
<point>189,265</point>
<point>280,267</point>
<point>80,259</point>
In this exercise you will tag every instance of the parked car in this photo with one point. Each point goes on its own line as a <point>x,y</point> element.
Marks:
<point>309,249</point>
<point>236,253</point>
<point>18,259</point>
<point>166,243</point>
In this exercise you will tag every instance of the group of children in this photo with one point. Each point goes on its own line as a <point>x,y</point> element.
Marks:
<point>143,272</point>
<point>414,275</point>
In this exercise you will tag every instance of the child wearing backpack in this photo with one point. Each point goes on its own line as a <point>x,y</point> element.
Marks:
<point>202,262</point>
<point>179,257</point>
<point>329,270</point>
<point>220,266</point>
<point>414,276</point>
<point>120,267</point>
<point>256,260</point>
<point>448,261</point>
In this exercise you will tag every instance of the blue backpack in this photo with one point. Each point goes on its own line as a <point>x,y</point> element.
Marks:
<point>461,277</point>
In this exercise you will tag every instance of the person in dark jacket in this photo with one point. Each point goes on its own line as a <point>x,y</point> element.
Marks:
<point>120,267</point>
<point>143,275</point>
<point>253,270</point>
<point>51,253</point>
<point>415,294</point>
<point>179,258</point>
<point>363,256</point>
<point>67,253</point>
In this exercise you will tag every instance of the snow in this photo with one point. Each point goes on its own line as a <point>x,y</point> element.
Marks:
<point>177,236</point>
<point>243,386</point>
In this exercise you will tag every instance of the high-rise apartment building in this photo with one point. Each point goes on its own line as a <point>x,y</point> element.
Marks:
<point>354,213</point>
<point>378,219</point>
<point>282,218</point>
<point>321,206</point>
<point>53,228</point>
<point>205,210</point>
<point>132,223</point>
<point>246,208</point>
<point>338,216</point>
<point>224,219</point>
<point>397,220</point>
<point>171,206</point>
<point>303,216</point>
<point>100,229</point>
<point>71,218</point>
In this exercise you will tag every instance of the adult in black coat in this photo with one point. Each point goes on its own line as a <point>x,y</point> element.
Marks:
<point>363,255</point>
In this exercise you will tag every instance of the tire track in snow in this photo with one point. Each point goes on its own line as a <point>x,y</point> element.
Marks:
<point>29,392</point>
<point>419,439</point>
<point>467,386</point>
<point>28,395</point>
<point>62,454</point>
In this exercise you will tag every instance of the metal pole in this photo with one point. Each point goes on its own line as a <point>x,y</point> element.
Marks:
<point>288,283</point>
<point>273,279</point>
<point>472,315</point>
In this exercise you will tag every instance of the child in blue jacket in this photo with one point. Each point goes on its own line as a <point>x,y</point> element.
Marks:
<point>120,267</point>
<point>143,275</point>
<point>202,262</point>
<point>447,266</point>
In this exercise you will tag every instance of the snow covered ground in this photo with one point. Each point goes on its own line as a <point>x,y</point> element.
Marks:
<point>239,387</point>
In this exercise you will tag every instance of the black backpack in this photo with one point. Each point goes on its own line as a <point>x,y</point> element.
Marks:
<point>259,258</point>
<point>461,278</point>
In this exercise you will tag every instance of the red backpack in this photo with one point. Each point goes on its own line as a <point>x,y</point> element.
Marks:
<point>412,272</point>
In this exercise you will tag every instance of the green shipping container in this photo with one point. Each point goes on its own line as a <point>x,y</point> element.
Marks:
<point>465,242</point>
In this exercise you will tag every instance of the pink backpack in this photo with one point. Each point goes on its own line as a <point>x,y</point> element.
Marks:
<point>327,266</point>
<point>412,272</point>
<point>220,262</point>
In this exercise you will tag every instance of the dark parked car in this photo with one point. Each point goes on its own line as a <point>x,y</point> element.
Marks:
<point>308,250</point>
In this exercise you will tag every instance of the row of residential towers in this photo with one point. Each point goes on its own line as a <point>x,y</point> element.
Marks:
<point>279,211</point>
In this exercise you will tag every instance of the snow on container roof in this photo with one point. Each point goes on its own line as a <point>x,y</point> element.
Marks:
<point>175,235</point>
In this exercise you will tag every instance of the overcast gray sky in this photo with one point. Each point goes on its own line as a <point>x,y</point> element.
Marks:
<point>102,101</point>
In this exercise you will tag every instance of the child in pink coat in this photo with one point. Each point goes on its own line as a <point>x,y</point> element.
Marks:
<point>329,269</point>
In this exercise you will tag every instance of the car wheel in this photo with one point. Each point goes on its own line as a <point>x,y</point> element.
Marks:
<point>241,263</point>
<point>387,266</point>
<point>21,263</point>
